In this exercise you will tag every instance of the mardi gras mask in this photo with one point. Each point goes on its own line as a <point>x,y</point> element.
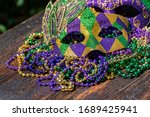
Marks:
<point>102,25</point>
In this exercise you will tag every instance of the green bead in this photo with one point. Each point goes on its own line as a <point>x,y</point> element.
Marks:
<point>115,70</point>
<point>69,71</point>
<point>138,51</point>
<point>128,70</point>
<point>136,65</point>
<point>143,53</point>
<point>119,72</point>
<point>129,75</point>
<point>143,60</point>
<point>147,66</point>
<point>136,74</point>
<point>127,67</point>
<point>30,61</point>
<point>31,42</point>
<point>147,54</point>
<point>67,75</point>
<point>139,71</point>
<point>58,68</point>
<point>131,64</point>
<point>141,68</point>
<point>109,69</point>
<point>124,75</point>
<point>27,38</point>
<point>32,51</point>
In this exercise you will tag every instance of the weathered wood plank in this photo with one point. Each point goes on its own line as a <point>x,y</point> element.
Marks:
<point>13,86</point>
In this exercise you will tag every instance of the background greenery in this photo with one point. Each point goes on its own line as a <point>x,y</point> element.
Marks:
<point>13,12</point>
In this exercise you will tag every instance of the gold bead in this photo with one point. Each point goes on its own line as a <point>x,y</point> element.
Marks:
<point>23,74</point>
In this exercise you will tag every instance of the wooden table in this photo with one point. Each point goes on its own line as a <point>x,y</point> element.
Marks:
<point>14,86</point>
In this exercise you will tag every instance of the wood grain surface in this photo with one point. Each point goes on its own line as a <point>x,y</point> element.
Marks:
<point>14,86</point>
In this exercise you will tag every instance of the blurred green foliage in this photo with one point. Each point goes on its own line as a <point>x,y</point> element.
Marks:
<point>13,12</point>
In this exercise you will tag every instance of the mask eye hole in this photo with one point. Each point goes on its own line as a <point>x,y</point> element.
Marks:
<point>127,11</point>
<point>98,9</point>
<point>73,38</point>
<point>110,32</point>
